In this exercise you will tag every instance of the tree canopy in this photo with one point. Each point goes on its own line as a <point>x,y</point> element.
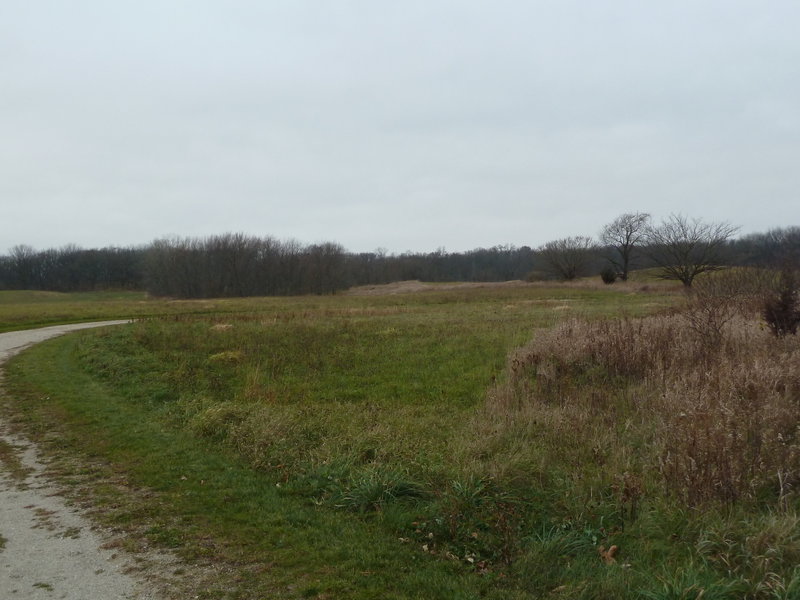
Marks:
<point>684,248</point>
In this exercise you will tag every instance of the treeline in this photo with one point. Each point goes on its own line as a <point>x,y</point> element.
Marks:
<point>768,249</point>
<point>72,269</point>
<point>679,248</point>
<point>241,265</point>
<point>499,263</point>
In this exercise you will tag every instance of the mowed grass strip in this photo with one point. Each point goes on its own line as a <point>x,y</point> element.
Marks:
<point>209,506</point>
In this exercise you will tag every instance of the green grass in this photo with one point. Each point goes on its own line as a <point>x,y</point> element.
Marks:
<point>44,586</point>
<point>27,309</point>
<point>209,505</point>
<point>337,448</point>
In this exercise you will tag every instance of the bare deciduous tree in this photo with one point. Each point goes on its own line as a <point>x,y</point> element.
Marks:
<point>622,236</point>
<point>235,264</point>
<point>684,248</point>
<point>24,264</point>
<point>567,258</point>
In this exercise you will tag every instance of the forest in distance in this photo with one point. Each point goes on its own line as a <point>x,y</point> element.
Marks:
<point>240,265</point>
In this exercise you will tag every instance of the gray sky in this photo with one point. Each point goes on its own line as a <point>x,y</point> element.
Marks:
<point>405,125</point>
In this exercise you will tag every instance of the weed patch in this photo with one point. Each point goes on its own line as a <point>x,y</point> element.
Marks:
<point>10,459</point>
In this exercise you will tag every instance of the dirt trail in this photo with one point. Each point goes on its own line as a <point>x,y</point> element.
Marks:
<point>47,548</point>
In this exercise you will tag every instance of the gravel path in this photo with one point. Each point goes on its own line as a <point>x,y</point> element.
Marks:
<point>47,548</point>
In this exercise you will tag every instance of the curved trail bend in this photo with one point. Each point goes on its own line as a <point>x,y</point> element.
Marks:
<point>47,548</point>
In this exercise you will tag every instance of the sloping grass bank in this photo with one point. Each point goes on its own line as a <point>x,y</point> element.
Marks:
<point>165,487</point>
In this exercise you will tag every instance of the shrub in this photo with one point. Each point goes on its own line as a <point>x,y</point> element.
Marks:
<point>608,275</point>
<point>780,309</point>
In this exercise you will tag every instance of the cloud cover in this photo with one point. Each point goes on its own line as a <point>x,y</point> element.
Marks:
<point>407,126</point>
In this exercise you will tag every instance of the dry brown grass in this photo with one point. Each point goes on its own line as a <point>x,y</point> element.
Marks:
<point>729,431</point>
<point>704,403</point>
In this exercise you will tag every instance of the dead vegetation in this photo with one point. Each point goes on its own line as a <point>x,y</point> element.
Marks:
<point>707,397</point>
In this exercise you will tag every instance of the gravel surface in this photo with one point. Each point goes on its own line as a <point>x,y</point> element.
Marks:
<point>47,548</point>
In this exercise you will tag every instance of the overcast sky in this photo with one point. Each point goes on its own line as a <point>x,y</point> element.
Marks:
<point>406,125</point>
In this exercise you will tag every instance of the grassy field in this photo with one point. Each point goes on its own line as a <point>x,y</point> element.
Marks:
<point>517,441</point>
<point>26,309</point>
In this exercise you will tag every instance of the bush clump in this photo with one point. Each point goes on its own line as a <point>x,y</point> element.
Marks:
<point>781,311</point>
<point>608,275</point>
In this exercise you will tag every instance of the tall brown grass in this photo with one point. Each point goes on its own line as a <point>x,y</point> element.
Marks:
<point>704,404</point>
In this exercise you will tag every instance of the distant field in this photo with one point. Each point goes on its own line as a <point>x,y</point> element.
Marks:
<point>25,309</point>
<point>469,440</point>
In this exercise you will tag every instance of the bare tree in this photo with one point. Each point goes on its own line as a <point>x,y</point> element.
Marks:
<point>235,264</point>
<point>569,257</point>
<point>684,248</point>
<point>25,264</point>
<point>621,237</point>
